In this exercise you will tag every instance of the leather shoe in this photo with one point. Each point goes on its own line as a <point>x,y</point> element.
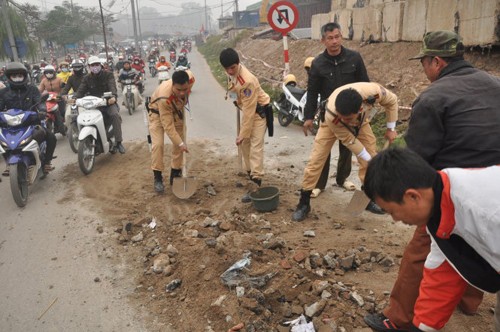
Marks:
<point>159,187</point>
<point>301,212</point>
<point>120,147</point>
<point>379,322</point>
<point>374,208</point>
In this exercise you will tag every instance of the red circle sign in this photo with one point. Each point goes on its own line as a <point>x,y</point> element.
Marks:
<point>283,16</point>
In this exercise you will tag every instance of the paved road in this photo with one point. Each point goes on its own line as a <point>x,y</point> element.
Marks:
<point>50,252</point>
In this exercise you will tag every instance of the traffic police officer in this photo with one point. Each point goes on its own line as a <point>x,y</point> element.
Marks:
<point>253,102</point>
<point>347,118</point>
<point>166,115</point>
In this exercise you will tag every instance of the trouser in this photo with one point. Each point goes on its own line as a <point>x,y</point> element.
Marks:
<point>322,146</point>
<point>253,149</point>
<point>40,135</point>
<point>158,143</point>
<point>406,289</point>
<point>343,167</point>
<point>62,107</point>
<point>112,117</point>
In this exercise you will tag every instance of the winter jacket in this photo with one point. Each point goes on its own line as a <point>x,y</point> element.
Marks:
<point>97,84</point>
<point>53,85</point>
<point>330,72</point>
<point>21,98</point>
<point>74,82</point>
<point>455,122</point>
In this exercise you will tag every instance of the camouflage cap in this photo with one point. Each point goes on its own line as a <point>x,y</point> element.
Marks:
<point>441,43</point>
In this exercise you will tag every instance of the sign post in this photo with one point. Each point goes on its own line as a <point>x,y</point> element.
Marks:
<point>283,17</point>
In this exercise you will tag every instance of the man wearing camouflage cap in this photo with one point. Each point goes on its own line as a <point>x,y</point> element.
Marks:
<point>454,123</point>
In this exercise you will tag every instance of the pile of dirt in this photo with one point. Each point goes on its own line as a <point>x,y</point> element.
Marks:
<point>332,268</point>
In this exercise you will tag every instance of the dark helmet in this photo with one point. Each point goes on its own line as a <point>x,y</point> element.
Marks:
<point>16,68</point>
<point>77,66</point>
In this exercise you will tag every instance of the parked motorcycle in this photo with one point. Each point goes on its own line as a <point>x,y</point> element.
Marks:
<point>95,137</point>
<point>292,103</point>
<point>55,123</point>
<point>22,153</point>
<point>73,131</point>
<point>152,68</point>
<point>163,74</point>
<point>131,95</point>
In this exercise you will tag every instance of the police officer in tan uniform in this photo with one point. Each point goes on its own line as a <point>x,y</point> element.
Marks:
<point>251,98</point>
<point>166,115</point>
<point>347,117</point>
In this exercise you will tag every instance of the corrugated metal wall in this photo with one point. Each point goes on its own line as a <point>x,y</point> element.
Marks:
<point>306,11</point>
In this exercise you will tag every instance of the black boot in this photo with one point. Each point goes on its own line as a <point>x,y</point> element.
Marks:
<point>175,173</point>
<point>158,184</point>
<point>303,207</point>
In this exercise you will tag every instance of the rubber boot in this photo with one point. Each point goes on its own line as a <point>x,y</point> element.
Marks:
<point>303,207</point>
<point>158,184</point>
<point>175,173</point>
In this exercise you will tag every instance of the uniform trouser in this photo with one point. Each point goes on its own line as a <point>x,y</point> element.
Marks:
<point>111,116</point>
<point>343,168</point>
<point>406,289</point>
<point>158,143</point>
<point>323,145</point>
<point>253,149</point>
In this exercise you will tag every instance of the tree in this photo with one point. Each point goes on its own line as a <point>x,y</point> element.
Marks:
<point>19,29</point>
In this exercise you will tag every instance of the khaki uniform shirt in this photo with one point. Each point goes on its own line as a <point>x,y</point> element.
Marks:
<point>248,94</point>
<point>171,109</point>
<point>344,131</point>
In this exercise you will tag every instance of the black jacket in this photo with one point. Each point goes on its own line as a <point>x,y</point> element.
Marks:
<point>96,85</point>
<point>22,98</point>
<point>73,82</point>
<point>328,72</point>
<point>455,122</point>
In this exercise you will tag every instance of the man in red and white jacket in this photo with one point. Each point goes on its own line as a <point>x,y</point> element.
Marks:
<point>459,209</point>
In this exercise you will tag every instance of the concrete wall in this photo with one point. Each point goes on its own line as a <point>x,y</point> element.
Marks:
<point>477,21</point>
<point>317,21</point>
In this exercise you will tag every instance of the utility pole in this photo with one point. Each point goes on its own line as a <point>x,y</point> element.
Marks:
<point>104,32</point>
<point>206,20</point>
<point>8,27</point>
<point>139,21</point>
<point>236,5</point>
<point>134,22</point>
<point>221,9</point>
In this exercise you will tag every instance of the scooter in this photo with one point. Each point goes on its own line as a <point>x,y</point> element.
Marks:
<point>173,56</point>
<point>95,137</point>
<point>22,153</point>
<point>163,74</point>
<point>292,103</point>
<point>152,68</point>
<point>73,131</point>
<point>131,94</point>
<point>55,123</point>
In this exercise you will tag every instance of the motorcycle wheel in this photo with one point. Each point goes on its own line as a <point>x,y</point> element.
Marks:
<point>130,103</point>
<point>86,154</point>
<point>19,184</point>
<point>73,137</point>
<point>284,120</point>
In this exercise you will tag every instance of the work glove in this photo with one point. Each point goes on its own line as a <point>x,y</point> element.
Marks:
<point>111,101</point>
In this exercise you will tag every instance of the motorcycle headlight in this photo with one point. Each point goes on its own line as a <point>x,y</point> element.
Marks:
<point>4,144</point>
<point>25,141</point>
<point>15,120</point>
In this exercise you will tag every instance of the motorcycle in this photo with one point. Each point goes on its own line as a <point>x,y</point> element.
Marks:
<point>152,68</point>
<point>22,153</point>
<point>95,137</point>
<point>131,94</point>
<point>54,119</point>
<point>173,56</point>
<point>73,131</point>
<point>163,74</point>
<point>291,105</point>
<point>36,76</point>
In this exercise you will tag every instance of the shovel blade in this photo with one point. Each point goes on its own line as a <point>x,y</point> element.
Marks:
<point>358,203</point>
<point>184,187</point>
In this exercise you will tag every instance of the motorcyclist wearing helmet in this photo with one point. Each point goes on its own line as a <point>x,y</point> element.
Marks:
<point>127,72</point>
<point>75,79</point>
<point>96,84</point>
<point>22,95</point>
<point>163,62</point>
<point>152,56</point>
<point>138,64</point>
<point>3,77</point>
<point>182,61</point>
<point>51,83</point>
<point>119,63</point>
<point>64,73</point>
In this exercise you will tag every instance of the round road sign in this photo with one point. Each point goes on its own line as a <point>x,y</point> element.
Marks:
<point>283,16</point>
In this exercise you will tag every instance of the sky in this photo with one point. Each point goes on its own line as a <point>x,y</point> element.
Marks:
<point>164,7</point>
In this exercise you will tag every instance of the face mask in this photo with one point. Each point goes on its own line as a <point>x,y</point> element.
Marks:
<point>49,75</point>
<point>17,79</point>
<point>95,69</point>
<point>136,62</point>
<point>64,70</point>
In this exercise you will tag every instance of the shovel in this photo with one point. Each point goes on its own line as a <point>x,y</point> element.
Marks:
<point>359,200</point>
<point>184,187</point>
<point>238,127</point>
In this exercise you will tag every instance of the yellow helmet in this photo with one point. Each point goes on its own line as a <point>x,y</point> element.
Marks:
<point>290,78</point>
<point>308,62</point>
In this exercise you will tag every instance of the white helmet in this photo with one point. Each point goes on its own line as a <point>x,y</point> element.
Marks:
<point>49,68</point>
<point>93,59</point>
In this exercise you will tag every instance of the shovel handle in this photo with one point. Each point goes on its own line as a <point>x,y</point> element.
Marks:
<point>238,127</point>
<point>184,133</point>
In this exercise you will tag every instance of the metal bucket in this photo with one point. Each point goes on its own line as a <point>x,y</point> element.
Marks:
<point>265,199</point>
